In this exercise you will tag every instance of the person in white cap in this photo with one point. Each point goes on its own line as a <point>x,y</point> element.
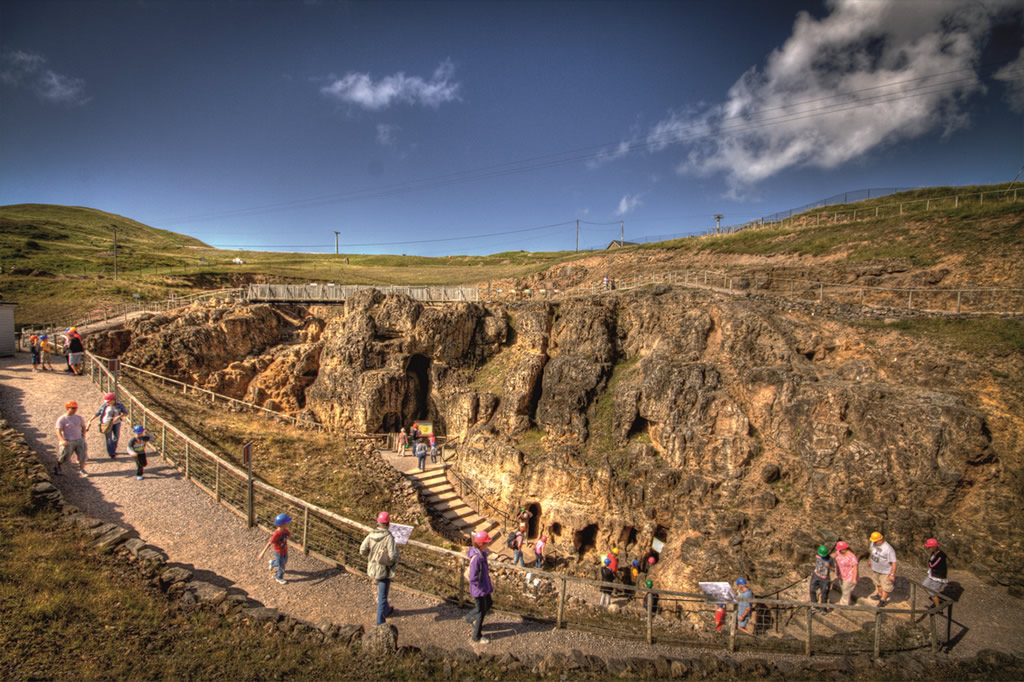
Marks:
<point>381,551</point>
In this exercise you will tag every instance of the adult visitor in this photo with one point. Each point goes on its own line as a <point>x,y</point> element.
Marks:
<point>71,430</point>
<point>883,568</point>
<point>938,566</point>
<point>480,588</point>
<point>381,552</point>
<point>847,565</point>
<point>110,414</point>
<point>821,576</point>
<point>744,607</point>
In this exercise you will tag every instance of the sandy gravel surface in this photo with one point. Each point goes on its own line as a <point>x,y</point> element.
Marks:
<point>168,511</point>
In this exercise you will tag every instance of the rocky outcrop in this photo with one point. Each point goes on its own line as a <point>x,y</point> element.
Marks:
<point>738,434</point>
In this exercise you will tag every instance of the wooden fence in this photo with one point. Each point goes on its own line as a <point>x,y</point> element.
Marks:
<point>325,293</point>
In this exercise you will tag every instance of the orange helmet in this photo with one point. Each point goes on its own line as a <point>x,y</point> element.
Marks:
<point>70,403</point>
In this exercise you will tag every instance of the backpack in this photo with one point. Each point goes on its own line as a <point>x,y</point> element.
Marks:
<point>511,540</point>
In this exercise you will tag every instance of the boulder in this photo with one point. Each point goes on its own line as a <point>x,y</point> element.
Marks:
<point>381,641</point>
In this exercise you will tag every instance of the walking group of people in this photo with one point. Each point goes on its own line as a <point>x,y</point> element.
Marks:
<point>43,349</point>
<point>421,445</point>
<point>845,562</point>
<point>72,428</point>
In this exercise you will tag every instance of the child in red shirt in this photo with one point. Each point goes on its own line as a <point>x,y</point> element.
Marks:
<point>279,539</point>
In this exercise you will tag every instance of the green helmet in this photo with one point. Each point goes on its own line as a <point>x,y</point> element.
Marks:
<point>822,550</point>
<point>649,584</point>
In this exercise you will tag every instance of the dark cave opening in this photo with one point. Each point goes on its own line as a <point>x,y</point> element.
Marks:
<point>533,526</point>
<point>585,539</point>
<point>418,391</point>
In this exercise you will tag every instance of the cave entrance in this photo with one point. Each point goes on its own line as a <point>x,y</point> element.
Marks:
<point>533,525</point>
<point>418,391</point>
<point>556,528</point>
<point>585,539</point>
<point>627,537</point>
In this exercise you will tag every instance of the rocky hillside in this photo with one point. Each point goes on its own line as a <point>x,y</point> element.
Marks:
<point>739,435</point>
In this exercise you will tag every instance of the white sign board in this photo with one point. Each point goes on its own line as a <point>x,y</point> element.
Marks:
<point>657,545</point>
<point>719,592</point>
<point>400,533</point>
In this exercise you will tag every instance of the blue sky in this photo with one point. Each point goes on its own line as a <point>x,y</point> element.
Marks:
<point>273,124</point>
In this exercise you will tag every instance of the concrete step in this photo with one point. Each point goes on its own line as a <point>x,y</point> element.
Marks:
<point>456,506</point>
<point>437,495</point>
<point>437,474</point>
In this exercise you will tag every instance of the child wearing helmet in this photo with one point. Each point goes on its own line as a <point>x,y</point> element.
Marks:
<point>279,539</point>
<point>45,351</point>
<point>35,350</point>
<point>847,566</point>
<point>137,445</point>
<point>937,570</point>
<point>480,587</point>
<point>381,552</point>
<point>821,576</point>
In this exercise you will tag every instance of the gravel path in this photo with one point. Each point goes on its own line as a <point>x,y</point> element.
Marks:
<point>192,529</point>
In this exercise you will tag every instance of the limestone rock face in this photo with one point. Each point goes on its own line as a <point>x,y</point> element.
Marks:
<point>738,436</point>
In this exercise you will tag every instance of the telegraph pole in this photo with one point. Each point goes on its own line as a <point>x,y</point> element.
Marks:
<point>115,251</point>
<point>622,233</point>
<point>718,222</point>
<point>336,233</point>
<point>577,235</point>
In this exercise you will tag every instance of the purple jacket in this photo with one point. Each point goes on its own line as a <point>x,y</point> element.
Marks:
<point>479,574</point>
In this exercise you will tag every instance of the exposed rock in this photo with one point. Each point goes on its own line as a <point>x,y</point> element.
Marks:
<point>381,641</point>
<point>206,592</point>
<point>174,574</point>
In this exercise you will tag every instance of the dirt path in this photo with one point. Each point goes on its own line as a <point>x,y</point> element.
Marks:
<point>192,529</point>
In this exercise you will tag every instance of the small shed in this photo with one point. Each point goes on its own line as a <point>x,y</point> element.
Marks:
<point>619,243</point>
<point>8,343</point>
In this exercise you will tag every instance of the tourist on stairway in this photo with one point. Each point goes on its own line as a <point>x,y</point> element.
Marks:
<point>420,450</point>
<point>517,546</point>
<point>883,568</point>
<point>937,569</point>
<point>821,576</point>
<point>381,551</point>
<point>847,565</point>
<point>479,584</point>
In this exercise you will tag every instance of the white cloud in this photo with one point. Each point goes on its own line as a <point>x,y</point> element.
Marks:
<point>26,69</point>
<point>885,71</point>
<point>387,134</point>
<point>361,90</point>
<point>1013,74</point>
<point>608,155</point>
<point>627,204</point>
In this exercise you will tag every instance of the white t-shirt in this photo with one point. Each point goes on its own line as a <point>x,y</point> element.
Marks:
<point>72,428</point>
<point>882,558</point>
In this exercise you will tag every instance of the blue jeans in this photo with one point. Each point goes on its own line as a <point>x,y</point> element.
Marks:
<point>112,438</point>
<point>517,558</point>
<point>383,608</point>
<point>540,561</point>
<point>279,561</point>
<point>422,462</point>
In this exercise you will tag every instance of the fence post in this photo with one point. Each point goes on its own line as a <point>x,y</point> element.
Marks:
<point>958,292</point>
<point>305,531</point>
<point>561,604</point>
<point>810,625</point>
<point>462,579</point>
<point>910,299</point>
<point>187,458</point>
<point>862,297</point>
<point>934,637</point>
<point>913,601</point>
<point>821,292</point>
<point>650,618</point>
<point>876,211</point>
<point>163,441</point>
<point>956,202</point>
<point>878,635</point>
<point>216,480</point>
<point>732,625</point>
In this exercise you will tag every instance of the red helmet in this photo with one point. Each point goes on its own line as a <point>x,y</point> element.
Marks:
<point>383,517</point>
<point>109,396</point>
<point>841,545</point>
<point>481,538</point>
<point>650,560</point>
<point>931,542</point>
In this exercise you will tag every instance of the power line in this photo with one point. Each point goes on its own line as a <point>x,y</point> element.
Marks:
<point>588,153</point>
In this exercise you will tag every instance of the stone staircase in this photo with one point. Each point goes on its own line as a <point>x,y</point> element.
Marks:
<point>442,498</point>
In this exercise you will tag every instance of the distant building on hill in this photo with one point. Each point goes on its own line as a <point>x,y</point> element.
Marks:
<point>619,243</point>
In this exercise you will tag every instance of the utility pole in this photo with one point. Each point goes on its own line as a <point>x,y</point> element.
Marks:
<point>622,233</point>
<point>336,233</point>
<point>115,251</point>
<point>718,222</point>
<point>577,235</point>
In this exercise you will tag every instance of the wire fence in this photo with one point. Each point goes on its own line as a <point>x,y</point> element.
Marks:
<point>655,615</point>
<point>929,300</point>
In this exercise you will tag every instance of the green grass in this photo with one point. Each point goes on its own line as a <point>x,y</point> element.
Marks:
<point>982,336</point>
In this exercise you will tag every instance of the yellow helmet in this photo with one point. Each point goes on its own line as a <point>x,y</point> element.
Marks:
<point>876,537</point>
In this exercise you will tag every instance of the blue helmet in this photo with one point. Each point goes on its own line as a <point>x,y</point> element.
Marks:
<point>44,337</point>
<point>741,581</point>
<point>607,561</point>
<point>139,428</point>
<point>282,519</point>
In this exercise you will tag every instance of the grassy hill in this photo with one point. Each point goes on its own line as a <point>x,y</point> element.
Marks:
<point>58,260</point>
